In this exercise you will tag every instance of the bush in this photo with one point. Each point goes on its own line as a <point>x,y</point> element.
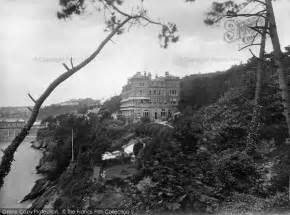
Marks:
<point>175,173</point>
<point>278,200</point>
<point>239,203</point>
<point>92,138</point>
<point>237,172</point>
<point>145,119</point>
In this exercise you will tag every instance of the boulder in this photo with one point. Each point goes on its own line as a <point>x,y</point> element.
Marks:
<point>46,200</point>
<point>38,189</point>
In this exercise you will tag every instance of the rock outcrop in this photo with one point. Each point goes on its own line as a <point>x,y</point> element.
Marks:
<point>38,189</point>
<point>46,163</point>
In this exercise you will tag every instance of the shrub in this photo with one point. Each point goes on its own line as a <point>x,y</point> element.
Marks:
<point>174,177</point>
<point>240,203</point>
<point>237,172</point>
<point>278,200</point>
<point>145,119</point>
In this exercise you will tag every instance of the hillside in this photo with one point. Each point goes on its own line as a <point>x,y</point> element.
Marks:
<point>70,106</point>
<point>204,89</point>
<point>14,113</point>
<point>200,163</point>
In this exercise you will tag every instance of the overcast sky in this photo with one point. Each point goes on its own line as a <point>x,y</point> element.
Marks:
<point>34,43</point>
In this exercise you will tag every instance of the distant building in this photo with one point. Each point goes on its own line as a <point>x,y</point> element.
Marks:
<point>287,48</point>
<point>12,123</point>
<point>94,110</point>
<point>37,123</point>
<point>116,115</point>
<point>155,98</point>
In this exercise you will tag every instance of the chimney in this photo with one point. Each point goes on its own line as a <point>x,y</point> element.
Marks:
<point>149,75</point>
<point>145,74</point>
<point>166,74</point>
<point>287,48</point>
<point>156,76</point>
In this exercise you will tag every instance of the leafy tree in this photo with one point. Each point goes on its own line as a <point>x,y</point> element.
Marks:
<point>184,171</point>
<point>231,9</point>
<point>112,105</point>
<point>91,139</point>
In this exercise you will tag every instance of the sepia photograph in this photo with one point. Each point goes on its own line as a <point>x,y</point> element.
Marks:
<point>145,107</point>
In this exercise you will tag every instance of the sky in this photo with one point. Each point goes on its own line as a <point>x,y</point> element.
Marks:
<point>34,44</point>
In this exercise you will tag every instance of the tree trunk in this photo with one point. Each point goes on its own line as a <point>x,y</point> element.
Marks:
<point>255,123</point>
<point>8,155</point>
<point>281,68</point>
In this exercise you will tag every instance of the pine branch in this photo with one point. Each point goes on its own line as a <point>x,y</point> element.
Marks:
<point>30,96</point>
<point>8,155</point>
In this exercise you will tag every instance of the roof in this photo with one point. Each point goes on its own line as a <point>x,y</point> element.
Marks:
<point>12,120</point>
<point>135,98</point>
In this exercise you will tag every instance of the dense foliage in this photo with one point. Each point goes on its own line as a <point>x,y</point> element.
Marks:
<point>199,164</point>
<point>181,173</point>
<point>204,89</point>
<point>203,163</point>
<point>112,105</point>
<point>90,135</point>
<point>71,106</point>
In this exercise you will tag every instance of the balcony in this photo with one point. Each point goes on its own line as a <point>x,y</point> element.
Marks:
<point>135,99</point>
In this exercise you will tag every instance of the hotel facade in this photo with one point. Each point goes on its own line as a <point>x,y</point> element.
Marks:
<point>155,98</point>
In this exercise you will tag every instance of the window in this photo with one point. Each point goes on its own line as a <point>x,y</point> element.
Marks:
<point>173,101</point>
<point>163,112</point>
<point>146,113</point>
<point>172,92</point>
